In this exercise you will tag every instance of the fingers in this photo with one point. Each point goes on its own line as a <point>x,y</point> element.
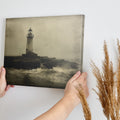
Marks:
<point>81,80</point>
<point>3,79</point>
<point>3,72</point>
<point>82,77</point>
<point>8,87</point>
<point>75,76</point>
<point>0,70</point>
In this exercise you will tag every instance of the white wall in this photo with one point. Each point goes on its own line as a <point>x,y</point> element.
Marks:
<point>102,22</point>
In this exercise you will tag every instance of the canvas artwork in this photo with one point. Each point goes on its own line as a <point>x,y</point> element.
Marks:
<point>43,51</point>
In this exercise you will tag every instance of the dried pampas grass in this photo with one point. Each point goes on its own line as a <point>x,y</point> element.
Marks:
<point>108,84</point>
<point>86,110</point>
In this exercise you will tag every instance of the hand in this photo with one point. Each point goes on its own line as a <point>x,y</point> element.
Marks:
<point>64,107</point>
<point>71,93</point>
<point>3,84</point>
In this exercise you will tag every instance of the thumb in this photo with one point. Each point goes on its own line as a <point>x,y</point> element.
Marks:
<point>3,72</point>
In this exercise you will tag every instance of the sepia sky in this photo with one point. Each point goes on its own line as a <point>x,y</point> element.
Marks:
<point>59,36</point>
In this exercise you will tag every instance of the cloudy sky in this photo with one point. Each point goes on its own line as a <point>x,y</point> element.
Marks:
<point>59,37</point>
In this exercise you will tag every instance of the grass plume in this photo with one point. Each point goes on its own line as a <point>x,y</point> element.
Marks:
<point>108,84</point>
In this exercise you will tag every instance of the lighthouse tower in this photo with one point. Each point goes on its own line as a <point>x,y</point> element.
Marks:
<point>29,46</point>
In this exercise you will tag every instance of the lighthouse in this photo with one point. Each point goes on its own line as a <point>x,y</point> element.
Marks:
<point>29,45</point>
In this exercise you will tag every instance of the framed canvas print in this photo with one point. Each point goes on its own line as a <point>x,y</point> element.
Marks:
<point>43,51</point>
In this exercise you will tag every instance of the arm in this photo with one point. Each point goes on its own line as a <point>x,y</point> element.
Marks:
<point>3,84</point>
<point>64,107</point>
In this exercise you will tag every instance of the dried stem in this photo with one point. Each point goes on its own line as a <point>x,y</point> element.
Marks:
<point>86,110</point>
